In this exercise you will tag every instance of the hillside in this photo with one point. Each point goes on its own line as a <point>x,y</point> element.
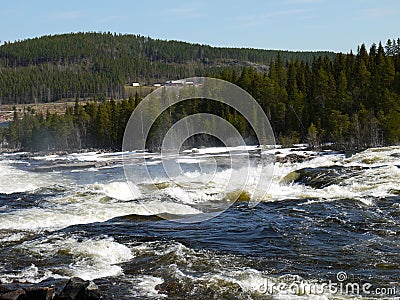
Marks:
<point>98,65</point>
<point>352,100</point>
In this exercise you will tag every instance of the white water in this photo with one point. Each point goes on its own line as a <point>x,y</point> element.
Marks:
<point>30,274</point>
<point>102,201</point>
<point>89,208</point>
<point>13,180</point>
<point>250,281</point>
<point>82,157</point>
<point>145,286</point>
<point>379,179</point>
<point>119,190</point>
<point>91,258</point>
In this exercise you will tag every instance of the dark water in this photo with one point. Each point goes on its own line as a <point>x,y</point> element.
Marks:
<point>322,219</point>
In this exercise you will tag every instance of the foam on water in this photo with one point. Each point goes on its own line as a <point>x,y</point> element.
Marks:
<point>189,160</point>
<point>14,237</point>
<point>102,256</point>
<point>145,286</point>
<point>81,157</point>
<point>373,182</point>
<point>31,274</point>
<point>221,279</point>
<point>88,205</point>
<point>379,178</point>
<point>102,201</point>
<point>51,157</point>
<point>287,286</point>
<point>96,258</point>
<point>91,258</point>
<point>118,190</point>
<point>213,190</point>
<point>37,219</point>
<point>13,180</point>
<point>214,150</point>
<point>188,196</point>
<point>375,157</point>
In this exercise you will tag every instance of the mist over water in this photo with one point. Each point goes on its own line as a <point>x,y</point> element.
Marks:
<point>75,215</point>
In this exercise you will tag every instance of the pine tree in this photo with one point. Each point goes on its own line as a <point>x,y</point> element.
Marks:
<point>312,137</point>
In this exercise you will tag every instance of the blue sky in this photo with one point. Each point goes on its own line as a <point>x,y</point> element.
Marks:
<point>337,25</point>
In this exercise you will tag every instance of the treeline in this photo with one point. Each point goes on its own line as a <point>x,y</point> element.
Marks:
<point>351,100</point>
<point>92,125</point>
<point>87,65</point>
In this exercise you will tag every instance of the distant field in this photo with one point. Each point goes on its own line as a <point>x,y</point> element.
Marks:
<point>7,110</point>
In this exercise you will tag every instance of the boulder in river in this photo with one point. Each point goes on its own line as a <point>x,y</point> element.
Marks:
<point>17,294</point>
<point>52,289</point>
<point>292,158</point>
<point>77,288</point>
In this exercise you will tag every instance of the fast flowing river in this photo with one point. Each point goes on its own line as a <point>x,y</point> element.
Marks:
<point>328,227</point>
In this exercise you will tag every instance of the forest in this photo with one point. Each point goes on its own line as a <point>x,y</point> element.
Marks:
<point>349,100</point>
<point>97,65</point>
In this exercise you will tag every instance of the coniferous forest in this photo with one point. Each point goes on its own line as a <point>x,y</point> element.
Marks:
<point>351,100</point>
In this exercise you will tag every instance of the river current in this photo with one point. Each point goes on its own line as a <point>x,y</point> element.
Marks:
<point>328,227</point>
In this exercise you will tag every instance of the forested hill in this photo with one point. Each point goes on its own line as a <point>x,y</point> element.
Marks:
<point>88,65</point>
<point>352,100</point>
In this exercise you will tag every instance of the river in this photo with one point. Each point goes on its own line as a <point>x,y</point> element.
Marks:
<point>328,222</point>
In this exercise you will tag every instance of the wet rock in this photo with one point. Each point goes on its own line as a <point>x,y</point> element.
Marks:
<point>62,165</point>
<point>57,284</point>
<point>100,164</point>
<point>321,177</point>
<point>40,293</point>
<point>396,155</point>
<point>18,294</point>
<point>290,178</point>
<point>292,158</point>
<point>77,288</point>
<point>52,289</point>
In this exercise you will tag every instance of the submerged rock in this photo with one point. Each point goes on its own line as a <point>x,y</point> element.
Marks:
<point>322,176</point>
<point>291,177</point>
<point>238,195</point>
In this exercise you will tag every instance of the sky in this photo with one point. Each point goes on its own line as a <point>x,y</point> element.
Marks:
<point>334,25</point>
